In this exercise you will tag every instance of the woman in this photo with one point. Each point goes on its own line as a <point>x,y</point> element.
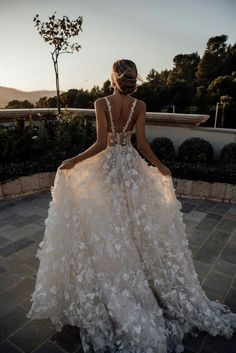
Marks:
<point>115,259</point>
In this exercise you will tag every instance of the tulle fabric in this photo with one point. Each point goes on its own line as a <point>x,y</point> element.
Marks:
<point>115,260</point>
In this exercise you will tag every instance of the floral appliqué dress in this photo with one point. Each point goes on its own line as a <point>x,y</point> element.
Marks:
<point>115,261</point>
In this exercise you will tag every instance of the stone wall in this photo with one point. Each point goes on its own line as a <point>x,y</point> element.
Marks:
<point>187,188</point>
<point>26,185</point>
<point>205,190</point>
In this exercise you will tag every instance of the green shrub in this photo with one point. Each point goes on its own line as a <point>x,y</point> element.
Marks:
<point>16,141</point>
<point>4,143</point>
<point>195,150</point>
<point>68,135</point>
<point>13,170</point>
<point>228,153</point>
<point>197,171</point>
<point>163,148</point>
<point>25,150</point>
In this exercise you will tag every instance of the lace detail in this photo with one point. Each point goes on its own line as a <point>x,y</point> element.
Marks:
<point>119,138</point>
<point>115,260</point>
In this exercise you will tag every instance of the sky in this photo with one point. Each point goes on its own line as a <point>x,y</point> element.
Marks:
<point>148,32</point>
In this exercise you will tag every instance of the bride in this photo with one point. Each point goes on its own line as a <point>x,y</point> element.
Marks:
<point>114,260</point>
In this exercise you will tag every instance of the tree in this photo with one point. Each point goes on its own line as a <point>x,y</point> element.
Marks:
<point>106,88</point>
<point>42,102</point>
<point>212,62</point>
<point>153,75</point>
<point>15,104</point>
<point>57,33</point>
<point>70,97</point>
<point>185,66</point>
<point>222,85</point>
<point>230,59</point>
<point>95,92</point>
<point>181,93</point>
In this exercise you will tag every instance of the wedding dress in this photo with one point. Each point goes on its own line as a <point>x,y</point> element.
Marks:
<point>115,261</point>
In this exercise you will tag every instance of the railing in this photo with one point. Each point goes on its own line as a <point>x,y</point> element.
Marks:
<point>153,118</point>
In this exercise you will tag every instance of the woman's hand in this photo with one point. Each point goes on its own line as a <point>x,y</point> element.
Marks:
<point>164,170</point>
<point>67,164</point>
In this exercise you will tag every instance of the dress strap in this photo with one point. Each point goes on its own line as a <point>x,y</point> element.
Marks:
<point>130,115</point>
<point>109,109</point>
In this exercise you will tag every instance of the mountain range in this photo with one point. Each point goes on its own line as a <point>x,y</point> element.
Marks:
<point>8,94</point>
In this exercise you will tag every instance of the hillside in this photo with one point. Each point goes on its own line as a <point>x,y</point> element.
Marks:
<point>7,94</point>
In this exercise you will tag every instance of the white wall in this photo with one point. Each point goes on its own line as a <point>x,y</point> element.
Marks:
<point>217,137</point>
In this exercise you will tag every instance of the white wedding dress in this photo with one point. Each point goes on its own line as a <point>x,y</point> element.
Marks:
<point>115,261</point>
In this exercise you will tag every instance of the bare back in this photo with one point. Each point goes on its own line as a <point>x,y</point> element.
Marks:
<point>121,108</point>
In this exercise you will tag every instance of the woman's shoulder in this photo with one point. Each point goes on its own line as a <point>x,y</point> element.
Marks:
<point>141,104</point>
<point>99,101</point>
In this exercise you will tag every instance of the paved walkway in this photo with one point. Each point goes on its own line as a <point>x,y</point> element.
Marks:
<point>211,229</point>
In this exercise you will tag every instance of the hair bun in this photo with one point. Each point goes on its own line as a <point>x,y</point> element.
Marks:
<point>124,76</point>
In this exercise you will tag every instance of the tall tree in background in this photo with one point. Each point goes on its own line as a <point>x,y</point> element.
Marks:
<point>57,33</point>
<point>212,62</point>
<point>106,88</point>
<point>185,66</point>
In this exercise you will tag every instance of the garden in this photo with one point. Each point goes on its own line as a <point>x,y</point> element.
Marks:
<point>27,148</point>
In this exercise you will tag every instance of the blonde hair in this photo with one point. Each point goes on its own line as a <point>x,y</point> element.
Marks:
<point>124,76</point>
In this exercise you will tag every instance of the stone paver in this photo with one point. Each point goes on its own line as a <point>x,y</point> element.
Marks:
<point>211,230</point>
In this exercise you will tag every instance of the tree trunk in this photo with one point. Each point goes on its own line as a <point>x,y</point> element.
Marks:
<point>55,62</point>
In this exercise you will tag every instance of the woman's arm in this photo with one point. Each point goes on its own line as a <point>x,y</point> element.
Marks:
<point>101,130</point>
<point>142,144</point>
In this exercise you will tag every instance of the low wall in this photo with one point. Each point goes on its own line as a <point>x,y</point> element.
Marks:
<point>26,185</point>
<point>217,137</point>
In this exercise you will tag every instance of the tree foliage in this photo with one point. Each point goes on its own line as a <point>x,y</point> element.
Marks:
<point>193,85</point>
<point>16,104</point>
<point>58,32</point>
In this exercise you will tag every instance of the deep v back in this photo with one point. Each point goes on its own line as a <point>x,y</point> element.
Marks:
<point>128,120</point>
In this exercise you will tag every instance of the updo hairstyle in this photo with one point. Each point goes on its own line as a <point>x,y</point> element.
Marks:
<point>124,76</point>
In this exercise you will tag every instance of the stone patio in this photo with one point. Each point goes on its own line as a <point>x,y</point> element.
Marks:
<point>211,229</point>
